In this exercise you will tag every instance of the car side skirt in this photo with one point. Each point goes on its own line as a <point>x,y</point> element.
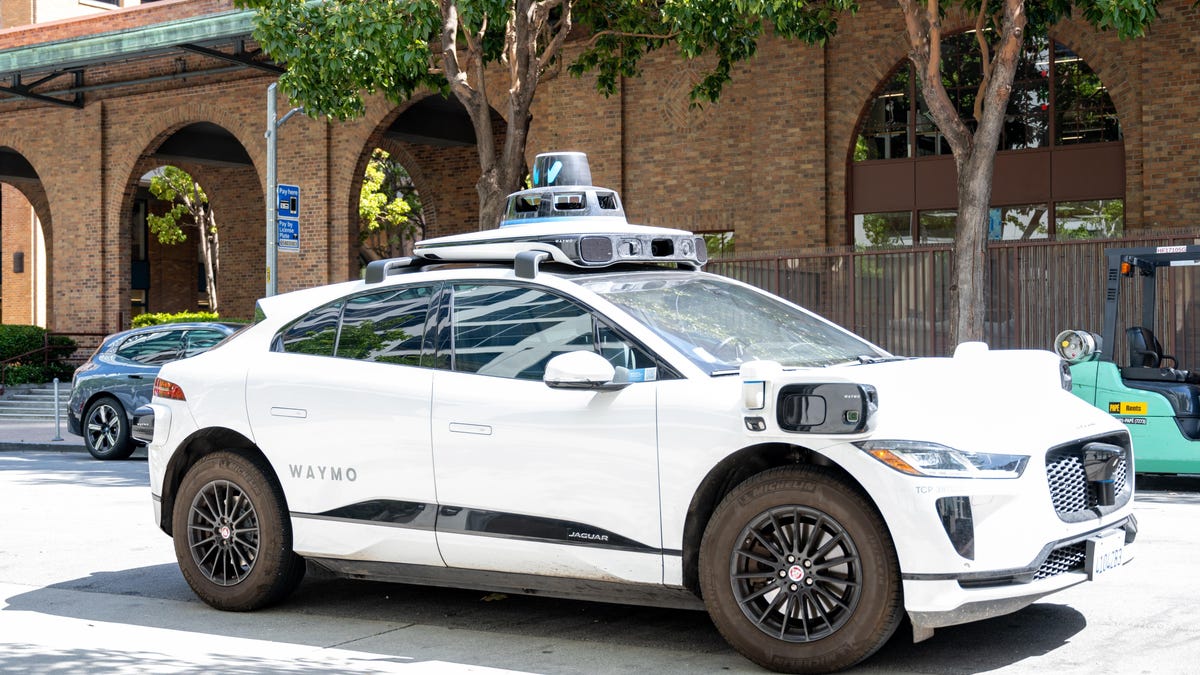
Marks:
<point>517,584</point>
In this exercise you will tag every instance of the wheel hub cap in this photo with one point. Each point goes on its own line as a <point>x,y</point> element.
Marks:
<point>223,533</point>
<point>796,573</point>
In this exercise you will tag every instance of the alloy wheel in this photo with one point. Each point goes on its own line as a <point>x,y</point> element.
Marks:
<point>223,533</point>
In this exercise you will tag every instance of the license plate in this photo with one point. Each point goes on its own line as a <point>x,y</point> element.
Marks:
<point>1105,552</point>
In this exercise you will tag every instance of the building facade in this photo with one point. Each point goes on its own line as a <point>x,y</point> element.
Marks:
<point>809,147</point>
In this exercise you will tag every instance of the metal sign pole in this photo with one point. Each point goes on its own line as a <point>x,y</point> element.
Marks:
<point>272,226</point>
<point>273,189</point>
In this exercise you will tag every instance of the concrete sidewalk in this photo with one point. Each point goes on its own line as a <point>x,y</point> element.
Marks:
<point>28,436</point>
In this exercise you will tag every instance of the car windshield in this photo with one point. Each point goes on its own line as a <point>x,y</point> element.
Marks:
<point>719,325</point>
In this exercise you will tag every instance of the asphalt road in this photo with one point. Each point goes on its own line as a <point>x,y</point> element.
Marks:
<point>89,585</point>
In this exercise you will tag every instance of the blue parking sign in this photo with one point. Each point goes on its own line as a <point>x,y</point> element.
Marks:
<point>287,209</point>
<point>289,234</point>
<point>288,201</point>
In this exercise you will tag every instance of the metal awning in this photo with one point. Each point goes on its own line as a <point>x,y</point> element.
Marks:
<point>50,61</point>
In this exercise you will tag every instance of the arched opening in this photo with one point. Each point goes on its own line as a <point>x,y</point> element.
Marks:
<point>431,158</point>
<point>170,266</point>
<point>25,225</point>
<point>1060,171</point>
<point>391,217</point>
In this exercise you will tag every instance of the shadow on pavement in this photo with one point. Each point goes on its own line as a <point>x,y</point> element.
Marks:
<point>44,468</point>
<point>322,604</point>
<point>1167,489</point>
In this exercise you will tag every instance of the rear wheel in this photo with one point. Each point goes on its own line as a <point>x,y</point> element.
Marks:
<point>106,429</point>
<point>798,572</point>
<point>233,537</point>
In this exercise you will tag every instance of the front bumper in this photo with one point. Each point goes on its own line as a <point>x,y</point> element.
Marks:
<point>935,601</point>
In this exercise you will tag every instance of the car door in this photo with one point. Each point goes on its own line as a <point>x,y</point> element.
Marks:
<point>341,407</point>
<point>538,480</point>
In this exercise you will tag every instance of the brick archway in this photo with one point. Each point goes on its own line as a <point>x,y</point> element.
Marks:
<point>26,210</point>
<point>167,276</point>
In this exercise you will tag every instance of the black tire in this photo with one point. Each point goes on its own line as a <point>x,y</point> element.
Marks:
<point>106,429</point>
<point>233,536</point>
<point>798,572</point>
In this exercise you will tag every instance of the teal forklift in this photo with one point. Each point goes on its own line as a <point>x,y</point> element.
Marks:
<point>1156,398</point>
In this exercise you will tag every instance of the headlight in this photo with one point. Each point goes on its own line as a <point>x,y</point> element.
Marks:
<point>920,458</point>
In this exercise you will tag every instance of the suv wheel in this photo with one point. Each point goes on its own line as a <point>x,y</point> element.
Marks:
<point>233,537</point>
<point>798,572</point>
<point>106,429</point>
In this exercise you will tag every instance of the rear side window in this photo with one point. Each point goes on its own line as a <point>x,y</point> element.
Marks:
<point>314,333</point>
<point>385,326</point>
<point>388,327</point>
<point>154,348</point>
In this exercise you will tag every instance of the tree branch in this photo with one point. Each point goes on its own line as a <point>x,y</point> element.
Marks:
<point>647,36</point>
<point>934,67</point>
<point>985,59</point>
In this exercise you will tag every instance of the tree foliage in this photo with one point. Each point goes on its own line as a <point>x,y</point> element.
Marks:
<point>389,209</point>
<point>188,207</point>
<point>338,51</point>
<point>725,32</point>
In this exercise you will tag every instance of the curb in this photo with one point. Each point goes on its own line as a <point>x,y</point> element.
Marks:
<point>43,446</point>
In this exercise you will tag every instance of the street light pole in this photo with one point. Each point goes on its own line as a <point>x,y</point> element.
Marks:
<point>273,190</point>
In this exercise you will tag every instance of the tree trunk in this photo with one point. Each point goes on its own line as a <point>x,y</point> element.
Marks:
<point>528,22</point>
<point>207,225</point>
<point>968,304</point>
<point>974,153</point>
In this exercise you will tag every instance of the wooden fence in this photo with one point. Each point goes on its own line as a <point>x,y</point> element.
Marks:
<point>899,298</point>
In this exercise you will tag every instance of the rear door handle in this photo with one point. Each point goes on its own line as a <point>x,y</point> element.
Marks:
<point>475,429</point>
<point>298,413</point>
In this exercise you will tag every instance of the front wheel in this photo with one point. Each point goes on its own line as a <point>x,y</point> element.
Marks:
<point>106,429</point>
<point>233,536</point>
<point>798,572</point>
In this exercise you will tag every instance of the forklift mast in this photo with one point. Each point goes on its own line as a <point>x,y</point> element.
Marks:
<point>1144,263</point>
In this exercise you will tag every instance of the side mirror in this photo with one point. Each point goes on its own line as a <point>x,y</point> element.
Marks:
<point>581,370</point>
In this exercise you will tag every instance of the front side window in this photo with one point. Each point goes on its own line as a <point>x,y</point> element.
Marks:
<point>513,331</point>
<point>153,348</point>
<point>719,325</point>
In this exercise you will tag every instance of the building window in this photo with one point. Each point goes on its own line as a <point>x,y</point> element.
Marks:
<point>1059,108</point>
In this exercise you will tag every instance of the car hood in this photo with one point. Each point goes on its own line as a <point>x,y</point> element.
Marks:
<point>979,400</point>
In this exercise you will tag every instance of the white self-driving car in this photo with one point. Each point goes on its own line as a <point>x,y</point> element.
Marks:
<point>586,414</point>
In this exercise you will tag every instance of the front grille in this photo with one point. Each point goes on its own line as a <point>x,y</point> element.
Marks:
<point>1075,498</point>
<point>1061,560</point>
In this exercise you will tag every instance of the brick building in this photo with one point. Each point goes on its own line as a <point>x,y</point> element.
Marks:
<point>809,147</point>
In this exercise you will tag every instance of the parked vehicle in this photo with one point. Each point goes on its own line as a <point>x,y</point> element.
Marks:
<point>1156,398</point>
<point>571,407</point>
<point>119,376</point>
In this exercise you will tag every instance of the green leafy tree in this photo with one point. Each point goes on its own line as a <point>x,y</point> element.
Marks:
<point>338,50</point>
<point>725,32</point>
<point>189,208</point>
<point>389,209</point>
